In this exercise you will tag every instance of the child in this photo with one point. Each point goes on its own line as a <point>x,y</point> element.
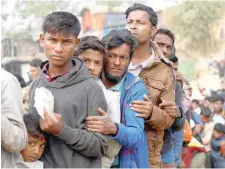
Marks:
<point>218,160</point>
<point>36,141</point>
<point>92,51</point>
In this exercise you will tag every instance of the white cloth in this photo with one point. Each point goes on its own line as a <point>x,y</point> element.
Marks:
<point>44,101</point>
<point>217,118</point>
<point>197,110</point>
<point>207,135</point>
<point>113,102</point>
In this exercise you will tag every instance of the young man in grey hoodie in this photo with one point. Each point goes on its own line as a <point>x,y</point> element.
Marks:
<point>76,96</point>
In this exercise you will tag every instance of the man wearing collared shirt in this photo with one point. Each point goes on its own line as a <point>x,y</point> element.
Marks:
<point>152,67</point>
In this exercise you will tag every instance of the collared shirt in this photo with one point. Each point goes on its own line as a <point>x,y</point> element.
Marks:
<point>118,86</point>
<point>136,69</point>
<point>45,70</point>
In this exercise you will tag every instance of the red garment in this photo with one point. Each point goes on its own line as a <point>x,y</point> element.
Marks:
<point>46,72</point>
<point>188,153</point>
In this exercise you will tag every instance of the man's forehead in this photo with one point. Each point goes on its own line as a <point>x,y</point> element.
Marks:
<point>162,37</point>
<point>138,14</point>
<point>64,35</point>
<point>124,48</point>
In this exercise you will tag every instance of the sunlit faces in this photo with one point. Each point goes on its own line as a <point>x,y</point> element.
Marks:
<point>139,25</point>
<point>58,48</point>
<point>117,62</point>
<point>165,44</point>
<point>34,148</point>
<point>93,60</point>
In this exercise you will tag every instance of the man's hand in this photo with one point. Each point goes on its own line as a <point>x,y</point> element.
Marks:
<point>101,124</point>
<point>170,107</point>
<point>144,108</point>
<point>50,126</point>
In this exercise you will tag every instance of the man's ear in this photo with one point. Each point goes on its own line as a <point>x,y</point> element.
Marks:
<point>77,42</point>
<point>153,31</point>
<point>76,47</point>
<point>42,40</point>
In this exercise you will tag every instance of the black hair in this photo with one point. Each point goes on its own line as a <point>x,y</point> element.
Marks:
<point>153,18</point>
<point>209,98</point>
<point>116,38</point>
<point>195,101</point>
<point>166,32</point>
<point>218,98</point>
<point>32,124</point>
<point>91,42</point>
<point>174,59</point>
<point>220,128</point>
<point>63,22</point>
<point>205,111</point>
<point>35,62</point>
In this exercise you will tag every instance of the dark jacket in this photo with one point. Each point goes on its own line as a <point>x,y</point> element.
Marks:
<point>218,160</point>
<point>76,96</point>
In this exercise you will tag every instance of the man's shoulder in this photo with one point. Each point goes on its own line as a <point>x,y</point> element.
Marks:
<point>134,82</point>
<point>166,66</point>
<point>91,85</point>
<point>159,71</point>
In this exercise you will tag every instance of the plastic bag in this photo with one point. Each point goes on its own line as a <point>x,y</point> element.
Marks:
<point>44,101</point>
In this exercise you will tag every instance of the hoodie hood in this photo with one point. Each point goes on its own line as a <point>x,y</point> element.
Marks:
<point>76,74</point>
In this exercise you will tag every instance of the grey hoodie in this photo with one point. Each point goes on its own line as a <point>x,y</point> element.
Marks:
<point>76,96</point>
<point>13,130</point>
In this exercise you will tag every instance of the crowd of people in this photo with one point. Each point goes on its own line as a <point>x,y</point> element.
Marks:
<point>119,102</point>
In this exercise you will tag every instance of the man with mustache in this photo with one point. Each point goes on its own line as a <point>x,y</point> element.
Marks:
<point>149,63</point>
<point>130,132</point>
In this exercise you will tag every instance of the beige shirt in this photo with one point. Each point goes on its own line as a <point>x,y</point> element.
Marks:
<point>136,69</point>
<point>207,135</point>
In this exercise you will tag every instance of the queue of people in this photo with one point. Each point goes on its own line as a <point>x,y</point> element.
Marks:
<point>121,102</point>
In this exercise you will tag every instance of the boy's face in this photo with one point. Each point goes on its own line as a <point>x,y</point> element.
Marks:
<point>58,48</point>
<point>217,134</point>
<point>218,106</point>
<point>34,148</point>
<point>93,60</point>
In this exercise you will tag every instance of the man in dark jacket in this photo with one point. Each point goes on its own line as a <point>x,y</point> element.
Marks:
<point>76,96</point>
<point>217,158</point>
